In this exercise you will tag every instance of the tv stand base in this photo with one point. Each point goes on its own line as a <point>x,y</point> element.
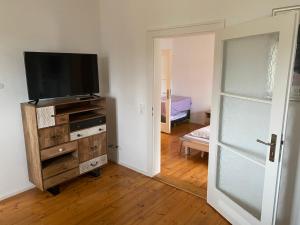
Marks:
<point>54,190</point>
<point>95,173</point>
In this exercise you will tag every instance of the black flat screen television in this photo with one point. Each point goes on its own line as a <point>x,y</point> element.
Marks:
<point>51,75</point>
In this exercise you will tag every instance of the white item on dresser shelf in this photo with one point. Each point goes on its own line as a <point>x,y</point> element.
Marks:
<point>45,116</point>
<point>87,132</point>
<point>92,164</point>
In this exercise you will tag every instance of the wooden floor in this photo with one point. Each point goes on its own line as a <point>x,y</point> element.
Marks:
<point>120,196</point>
<point>188,173</point>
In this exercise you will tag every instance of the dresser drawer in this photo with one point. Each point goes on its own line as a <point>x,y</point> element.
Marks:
<point>45,116</point>
<point>53,181</point>
<point>59,150</point>
<point>61,119</point>
<point>62,164</point>
<point>91,147</point>
<point>52,136</point>
<point>93,164</point>
<point>88,132</point>
<point>87,124</point>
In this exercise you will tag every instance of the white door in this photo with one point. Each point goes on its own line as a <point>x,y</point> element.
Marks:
<point>253,67</point>
<point>166,71</point>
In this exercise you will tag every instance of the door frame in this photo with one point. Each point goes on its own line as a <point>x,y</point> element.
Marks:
<point>154,81</point>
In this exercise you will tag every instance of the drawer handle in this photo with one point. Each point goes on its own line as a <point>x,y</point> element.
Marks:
<point>94,148</point>
<point>52,115</point>
<point>61,150</point>
<point>78,135</point>
<point>100,129</point>
<point>94,164</point>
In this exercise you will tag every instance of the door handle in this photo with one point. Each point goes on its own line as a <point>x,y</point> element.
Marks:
<point>264,143</point>
<point>272,145</point>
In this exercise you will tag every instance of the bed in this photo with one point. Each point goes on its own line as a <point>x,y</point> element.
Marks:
<point>197,140</point>
<point>180,109</point>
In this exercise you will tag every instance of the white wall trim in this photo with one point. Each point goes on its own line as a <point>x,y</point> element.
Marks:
<point>153,97</point>
<point>12,194</point>
<point>200,27</point>
<point>134,168</point>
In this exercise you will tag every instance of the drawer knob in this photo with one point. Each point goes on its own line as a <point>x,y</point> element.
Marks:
<point>78,135</point>
<point>100,129</point>
<point>60,150</point>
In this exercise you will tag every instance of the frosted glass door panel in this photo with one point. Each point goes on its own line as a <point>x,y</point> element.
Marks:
<point>242,123</point>
<point>241,180</point>
<point>249,65</point>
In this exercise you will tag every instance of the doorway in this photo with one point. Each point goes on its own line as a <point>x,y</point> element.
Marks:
<point>154,118</point>
<point>228,187</point>
<point>186,69</point>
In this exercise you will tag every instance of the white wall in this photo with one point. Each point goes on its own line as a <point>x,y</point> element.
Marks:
<point>123,30</point>
<point>37,25</point>
<point>192,72</point>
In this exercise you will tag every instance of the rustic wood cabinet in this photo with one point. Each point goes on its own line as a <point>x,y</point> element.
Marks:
<point>64,138</point>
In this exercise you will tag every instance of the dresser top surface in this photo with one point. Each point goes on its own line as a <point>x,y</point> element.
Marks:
<point>61,101</point>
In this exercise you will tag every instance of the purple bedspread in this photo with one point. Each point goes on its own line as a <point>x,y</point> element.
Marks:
<point>178,104</point>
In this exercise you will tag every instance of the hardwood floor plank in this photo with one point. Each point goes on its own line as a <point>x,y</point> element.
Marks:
<point>119,197</point>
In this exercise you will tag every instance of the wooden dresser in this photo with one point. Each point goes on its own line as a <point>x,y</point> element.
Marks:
<point>64,139</point>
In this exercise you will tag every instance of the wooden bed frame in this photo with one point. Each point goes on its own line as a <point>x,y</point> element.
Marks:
<point>188,144</point>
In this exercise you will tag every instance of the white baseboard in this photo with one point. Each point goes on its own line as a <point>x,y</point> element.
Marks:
<point>133,168</point>
<point>6,196</point>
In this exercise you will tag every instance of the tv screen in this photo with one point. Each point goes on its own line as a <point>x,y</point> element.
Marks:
<point>51,75</point>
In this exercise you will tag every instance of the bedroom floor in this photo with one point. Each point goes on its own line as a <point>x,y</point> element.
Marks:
<point>186,172</point>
